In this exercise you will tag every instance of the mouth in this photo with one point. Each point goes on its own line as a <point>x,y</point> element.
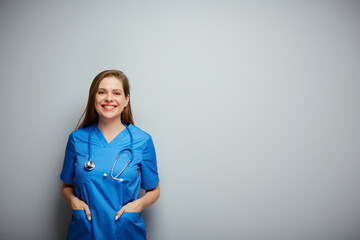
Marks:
<point>108,107</point>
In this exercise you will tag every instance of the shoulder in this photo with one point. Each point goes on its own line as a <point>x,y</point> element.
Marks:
<point>139,134</point>
<point>81,134</point>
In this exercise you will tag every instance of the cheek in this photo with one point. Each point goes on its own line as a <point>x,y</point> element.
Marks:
<point>97,104</point>
<point>98,100</point>
<point>121,101</point>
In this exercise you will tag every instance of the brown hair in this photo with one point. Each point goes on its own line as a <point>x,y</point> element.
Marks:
<point>91,116</point>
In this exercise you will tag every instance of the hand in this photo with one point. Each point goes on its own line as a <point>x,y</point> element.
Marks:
<point>134,206</point>
<point>77,204</point>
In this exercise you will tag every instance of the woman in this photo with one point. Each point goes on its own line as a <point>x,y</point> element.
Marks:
<point>107,160</point>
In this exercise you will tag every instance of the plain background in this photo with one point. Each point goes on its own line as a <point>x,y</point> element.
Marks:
<point>253,106</point>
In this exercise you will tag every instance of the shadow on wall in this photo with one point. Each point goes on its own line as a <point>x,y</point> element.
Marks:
<point>148,216</point>
<point>62,218</point>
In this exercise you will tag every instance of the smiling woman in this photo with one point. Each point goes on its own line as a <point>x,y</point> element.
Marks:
<point>110,101</point>
<point>107,206</point>
<point>109,84</point>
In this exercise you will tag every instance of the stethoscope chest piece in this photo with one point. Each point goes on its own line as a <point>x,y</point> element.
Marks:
<point>89,165</point>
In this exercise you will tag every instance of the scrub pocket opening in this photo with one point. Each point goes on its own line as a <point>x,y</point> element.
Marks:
<point>79,226</point>
<point>133,215</point>
<point>131,226</point>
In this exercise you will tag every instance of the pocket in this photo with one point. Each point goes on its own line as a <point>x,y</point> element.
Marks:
<point>131,226</point>
<point>79,226</point>
<point>131,215</point>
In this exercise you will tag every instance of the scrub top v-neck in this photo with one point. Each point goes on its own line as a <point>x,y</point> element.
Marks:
<point>106,196</point>
<point>103,140</point>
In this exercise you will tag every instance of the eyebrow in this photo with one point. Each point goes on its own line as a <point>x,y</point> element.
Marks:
<point>112,89</point>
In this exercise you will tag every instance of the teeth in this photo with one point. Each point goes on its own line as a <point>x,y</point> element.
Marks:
<point>109,107</point>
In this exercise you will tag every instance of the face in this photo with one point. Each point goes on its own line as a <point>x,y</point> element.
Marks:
<point>110,99</point>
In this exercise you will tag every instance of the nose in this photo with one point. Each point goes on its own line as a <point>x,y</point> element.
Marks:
<point>109,97</point>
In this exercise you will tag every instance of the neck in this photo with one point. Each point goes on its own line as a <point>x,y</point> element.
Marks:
<point>110,126</point>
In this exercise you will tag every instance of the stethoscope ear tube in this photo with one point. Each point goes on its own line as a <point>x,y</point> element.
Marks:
<point>112,170</point>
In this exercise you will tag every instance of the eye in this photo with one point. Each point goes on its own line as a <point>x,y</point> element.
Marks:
<point>117,93</point>
<point>101,92</point>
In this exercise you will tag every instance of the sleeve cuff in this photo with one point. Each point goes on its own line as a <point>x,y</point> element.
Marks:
<point>151,185</point>
<point>66,179</point>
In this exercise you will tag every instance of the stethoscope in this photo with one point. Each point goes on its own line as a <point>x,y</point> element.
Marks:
<point>90,165</point>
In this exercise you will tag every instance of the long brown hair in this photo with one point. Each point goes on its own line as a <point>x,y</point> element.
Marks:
<point>91,116</point>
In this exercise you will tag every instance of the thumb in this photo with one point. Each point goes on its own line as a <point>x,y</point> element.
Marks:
<point>119,213</point>
<point>87,212</point>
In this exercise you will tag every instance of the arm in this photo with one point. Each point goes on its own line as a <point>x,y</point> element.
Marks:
<point>140,204</point>
<point>68,193</point>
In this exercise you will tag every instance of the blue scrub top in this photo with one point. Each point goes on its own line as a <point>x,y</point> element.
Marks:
<point>106,196</point>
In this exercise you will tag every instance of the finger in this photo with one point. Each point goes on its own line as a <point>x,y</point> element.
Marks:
<point>87,212</point>
<point>119,213</point>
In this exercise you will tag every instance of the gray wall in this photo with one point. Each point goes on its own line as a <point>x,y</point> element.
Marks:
<point>254,108</point>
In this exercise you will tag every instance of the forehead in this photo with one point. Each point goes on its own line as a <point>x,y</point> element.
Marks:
<point>111,83</point>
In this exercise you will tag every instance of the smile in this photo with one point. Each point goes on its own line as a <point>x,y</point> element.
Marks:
<point>108,107</point>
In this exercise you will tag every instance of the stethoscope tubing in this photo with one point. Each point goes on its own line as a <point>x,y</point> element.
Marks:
<point>90,165</point>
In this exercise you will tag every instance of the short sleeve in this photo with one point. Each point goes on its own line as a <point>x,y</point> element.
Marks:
<point>67,173</point>
<point>149,172</point>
